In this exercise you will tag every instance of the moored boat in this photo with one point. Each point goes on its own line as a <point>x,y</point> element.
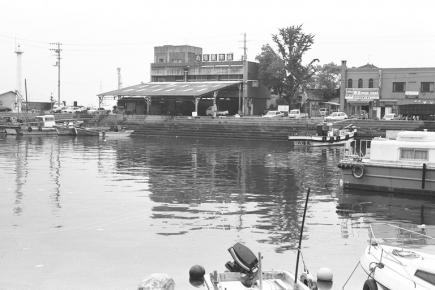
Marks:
<point>394,262</point>
<point>116,134</point>
<point>87,132</point>
<point>43,125</point>
<point>245,272</point>
<point>405,164</point>
<point>325,135</point>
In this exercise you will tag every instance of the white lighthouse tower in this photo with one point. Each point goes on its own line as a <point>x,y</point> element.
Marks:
<point>19,88</point>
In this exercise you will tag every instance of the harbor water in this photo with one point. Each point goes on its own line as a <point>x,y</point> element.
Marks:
<point>83,213</point>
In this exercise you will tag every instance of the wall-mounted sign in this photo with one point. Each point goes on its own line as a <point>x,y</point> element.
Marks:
<point>362,94</point>
<point>230,56</point>
<point>213,57</point>
<point>222,57</point>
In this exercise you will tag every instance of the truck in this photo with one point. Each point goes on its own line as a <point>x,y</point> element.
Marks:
<point>296,114</point>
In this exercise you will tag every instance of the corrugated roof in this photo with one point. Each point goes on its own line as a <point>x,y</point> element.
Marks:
<point>171,89</point>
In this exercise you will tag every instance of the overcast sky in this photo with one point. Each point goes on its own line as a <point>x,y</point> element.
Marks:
<point>99,36</point>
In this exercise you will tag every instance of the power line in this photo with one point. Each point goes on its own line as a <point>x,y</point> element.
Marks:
<point>57,51</point>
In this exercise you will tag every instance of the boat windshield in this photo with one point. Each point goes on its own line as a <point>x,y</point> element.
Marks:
<point>402,235</point>
<point>426,276</point>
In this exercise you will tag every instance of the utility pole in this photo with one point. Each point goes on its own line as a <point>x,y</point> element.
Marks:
<point>245,75</point>
<point>57,51</point>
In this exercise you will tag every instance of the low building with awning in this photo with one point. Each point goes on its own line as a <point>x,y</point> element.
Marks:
<point>424,108</point>
<point>182,98</point>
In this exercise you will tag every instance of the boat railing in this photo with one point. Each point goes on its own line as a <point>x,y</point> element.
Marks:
<point>358,148</point>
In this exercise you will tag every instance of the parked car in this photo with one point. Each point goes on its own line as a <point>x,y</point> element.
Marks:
<point>323,111</point>
<point>336,116</point>
<point>273,114</point>
<point>296,114</point>
<point>362,115</point>
<point>389,116</point>
<point>209,112</point>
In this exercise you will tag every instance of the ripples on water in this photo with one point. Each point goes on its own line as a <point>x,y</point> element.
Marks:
<point>86,214</point>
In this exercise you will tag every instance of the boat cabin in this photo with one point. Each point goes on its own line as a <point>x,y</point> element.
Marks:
<point>409,146</point>
<point>46,121</point>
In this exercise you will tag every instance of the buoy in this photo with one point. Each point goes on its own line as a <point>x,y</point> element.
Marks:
<point>196,275</point>
<point>324,275</point>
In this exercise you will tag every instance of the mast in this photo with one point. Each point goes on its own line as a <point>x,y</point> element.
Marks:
<point>300,236</point>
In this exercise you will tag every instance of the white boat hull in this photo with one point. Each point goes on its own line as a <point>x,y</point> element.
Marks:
<point>271,280</point>
<point>116,135</point>
<point>390,178</point>
<point>396,272</point>
<point>338,140</point>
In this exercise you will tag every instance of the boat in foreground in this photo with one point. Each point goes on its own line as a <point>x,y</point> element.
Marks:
<point>245,272</point>
<point>393,263</point>
<point>326,135</point>
<point>405,164</point>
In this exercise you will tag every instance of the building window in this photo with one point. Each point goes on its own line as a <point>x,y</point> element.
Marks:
<point>349,83</point>
<point>398,87</point>
<point>413,154</point>
<point>427,87</point>
<point>360,83</point>
<point>161,60</point>
<point>370,83</point>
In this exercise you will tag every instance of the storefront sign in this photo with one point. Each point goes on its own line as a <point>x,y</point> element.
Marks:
<point>362,94</point>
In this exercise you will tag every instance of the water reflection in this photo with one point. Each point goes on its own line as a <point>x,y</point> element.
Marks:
<point>383,206</point>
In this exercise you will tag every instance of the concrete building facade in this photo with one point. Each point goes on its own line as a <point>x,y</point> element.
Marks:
<point>184,63</point>
<point>405,91</point>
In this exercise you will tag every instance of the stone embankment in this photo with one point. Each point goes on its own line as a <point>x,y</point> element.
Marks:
<point>253,128</point>
<point>248,128</point>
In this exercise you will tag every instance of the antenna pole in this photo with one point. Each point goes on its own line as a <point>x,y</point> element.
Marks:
<point>300,236</point>
<point>57,52</point>
<point>245,76</point>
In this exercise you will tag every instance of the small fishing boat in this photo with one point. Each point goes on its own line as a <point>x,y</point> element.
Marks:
<point>245,272</point>
<point>404,163</point>
<point>394,263</point>
<point>43,125</point>
<point>116,133</point>
<point>87,132</point>
<point>325,135</point>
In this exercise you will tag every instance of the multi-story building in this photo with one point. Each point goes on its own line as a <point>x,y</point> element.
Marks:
<point>378,91</point>
<point>185,80</point>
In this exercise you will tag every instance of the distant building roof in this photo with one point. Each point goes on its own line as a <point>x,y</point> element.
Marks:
<point>195,89</point>
<point>368,66</point>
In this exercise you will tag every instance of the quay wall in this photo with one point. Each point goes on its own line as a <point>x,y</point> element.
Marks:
<point>254,128</point>
<point>251,127</point>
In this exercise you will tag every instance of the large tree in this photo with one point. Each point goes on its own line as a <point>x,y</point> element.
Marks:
<point>327,79</point>
<point>271,71</point>
<point>292,44</point>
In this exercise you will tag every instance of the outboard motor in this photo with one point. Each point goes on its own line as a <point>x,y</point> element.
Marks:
<point>244,260</point>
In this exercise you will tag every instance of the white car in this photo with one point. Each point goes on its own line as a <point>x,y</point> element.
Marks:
<point>390,116</point>
<point>336,116</point>
<point>273,114</point>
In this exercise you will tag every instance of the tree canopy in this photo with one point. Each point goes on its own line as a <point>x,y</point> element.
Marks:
<point>327,79</point>
<point>284,71</point>
<point>271,69</point>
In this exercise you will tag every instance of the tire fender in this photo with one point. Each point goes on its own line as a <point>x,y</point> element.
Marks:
<point>358,171</point>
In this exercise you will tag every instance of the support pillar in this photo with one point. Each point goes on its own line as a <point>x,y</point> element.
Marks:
<point>239,110</point>
<point>196,105</point>
<point>215,93</point>
<point>148,102</point>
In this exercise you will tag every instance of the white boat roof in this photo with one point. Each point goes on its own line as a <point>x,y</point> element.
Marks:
<point>416,136</point>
